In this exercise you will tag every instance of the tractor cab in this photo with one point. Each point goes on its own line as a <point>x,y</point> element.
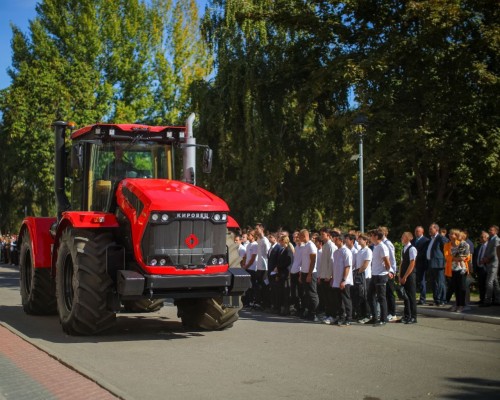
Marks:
<point>102,155</point>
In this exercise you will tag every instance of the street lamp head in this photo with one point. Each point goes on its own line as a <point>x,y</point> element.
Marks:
<point>360,119</point>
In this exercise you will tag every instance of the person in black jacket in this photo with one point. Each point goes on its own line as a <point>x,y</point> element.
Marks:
<point>272,258</point>
<point>282,276</point>
<point>480,266</point>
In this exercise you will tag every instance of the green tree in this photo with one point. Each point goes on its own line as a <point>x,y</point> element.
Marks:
<point>88,61</point>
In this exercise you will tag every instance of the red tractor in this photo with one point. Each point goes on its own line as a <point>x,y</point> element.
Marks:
<point>132,235</point>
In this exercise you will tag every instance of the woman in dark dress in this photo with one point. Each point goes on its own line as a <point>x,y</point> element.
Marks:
<point>283,264</point>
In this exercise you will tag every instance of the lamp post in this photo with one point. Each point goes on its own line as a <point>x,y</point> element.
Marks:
<point>359,123</point>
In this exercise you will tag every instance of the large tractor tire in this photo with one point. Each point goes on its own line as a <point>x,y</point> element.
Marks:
<point>142,305</point>
<point>209,314</point>
<point>82,283</point>
<point>38,294</point>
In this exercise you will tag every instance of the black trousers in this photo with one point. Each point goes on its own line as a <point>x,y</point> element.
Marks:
<point>458,284</point>
<point>326,296</point>
<point>410,299</point>
<point>296,291</point>
<point>376,293</point>
<point>481,282</point>
<point>422,282</point>
<point>282,292</point>
<point>311,299</point>
<point>343,301</point>
<point>391,298</point>
<point>250,293</point>
<point>359,296</point>
<point>260,292</point>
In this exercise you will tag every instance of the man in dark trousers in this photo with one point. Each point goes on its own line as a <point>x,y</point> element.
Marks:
<point>407,278</point>
<point>435,259</point>
<point>272,263</point>
<point>479,266</point>
<point>490,260</point>
<point>420,242</point>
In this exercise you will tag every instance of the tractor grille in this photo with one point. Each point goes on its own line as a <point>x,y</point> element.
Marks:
<point>186,244</point>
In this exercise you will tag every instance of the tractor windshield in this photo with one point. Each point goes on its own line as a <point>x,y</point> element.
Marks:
<point>112,162</point>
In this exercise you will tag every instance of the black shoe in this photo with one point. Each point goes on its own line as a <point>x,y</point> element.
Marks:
<point>379,323</point>
<point>371,321</point>
<point>411,321</point>
<point>345,323</point>
<point>485,305</point>
<point>421,303</point>
<point>403,320</point>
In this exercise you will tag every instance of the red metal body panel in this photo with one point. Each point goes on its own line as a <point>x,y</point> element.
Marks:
<point>123,128</point>
<point>231,223</point>
<point>169,195</point>
<point>41,240</point>
<point>166,195</point>
<point>89,219</point>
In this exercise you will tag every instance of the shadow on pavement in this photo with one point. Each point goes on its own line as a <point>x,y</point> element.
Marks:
<point>473,389</point>
<point>129,326</point>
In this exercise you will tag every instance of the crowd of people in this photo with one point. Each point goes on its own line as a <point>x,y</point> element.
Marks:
<point>9,253</point>
<point>337,278</point>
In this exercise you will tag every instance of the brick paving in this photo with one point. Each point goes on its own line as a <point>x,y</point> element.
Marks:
<point>28,373</point>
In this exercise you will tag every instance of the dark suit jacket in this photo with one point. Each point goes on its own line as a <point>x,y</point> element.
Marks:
<point>421,246</point>
<point>437,256</point>
<point>284,262</point>
<point>475,259</point>
<point>272,259</point>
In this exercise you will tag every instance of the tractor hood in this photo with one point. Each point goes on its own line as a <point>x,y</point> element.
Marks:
<point>170,195</point>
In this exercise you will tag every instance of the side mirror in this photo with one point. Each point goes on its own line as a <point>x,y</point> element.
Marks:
<point>77,157</point>
<point>207,160</point>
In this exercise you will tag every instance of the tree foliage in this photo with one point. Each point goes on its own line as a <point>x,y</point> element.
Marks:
<point>88,61</point>
<point>291,77</point>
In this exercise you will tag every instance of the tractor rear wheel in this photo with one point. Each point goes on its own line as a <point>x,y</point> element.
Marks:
<point>208,314</point>
<point>142,305</point>
<point>82,283</point>
<point>38,293</point>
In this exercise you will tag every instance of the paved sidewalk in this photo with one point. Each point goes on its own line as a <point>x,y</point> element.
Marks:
<point>489,315</point>
<point>31,374</point>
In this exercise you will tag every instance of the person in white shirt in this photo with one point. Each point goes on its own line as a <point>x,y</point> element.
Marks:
<point>350,241</point>
<point>262,260</point>
<point>407,279</point>
<point>390,287</point>
<point>251,267</point>
<point>241,248</point>
<point>296,291</point>
<point>380,271</point>
<point>325,275</point>
<point>308,276</point>
<point>360,280</point>
<point>342,280</point>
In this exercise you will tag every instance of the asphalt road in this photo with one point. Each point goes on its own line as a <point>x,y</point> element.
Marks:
<point>151,356</point>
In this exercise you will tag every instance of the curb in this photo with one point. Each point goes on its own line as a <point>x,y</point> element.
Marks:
<point>464,316</point>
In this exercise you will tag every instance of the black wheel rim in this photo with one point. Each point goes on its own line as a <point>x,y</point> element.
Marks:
<point>27,272</point>
<point>68,283</point>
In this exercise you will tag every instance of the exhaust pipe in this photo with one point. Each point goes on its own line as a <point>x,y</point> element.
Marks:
<point>62,201</point>
<point>189,156</point>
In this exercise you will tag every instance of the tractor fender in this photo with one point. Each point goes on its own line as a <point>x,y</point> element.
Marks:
<point>81,220</point>
<point>38,229</point>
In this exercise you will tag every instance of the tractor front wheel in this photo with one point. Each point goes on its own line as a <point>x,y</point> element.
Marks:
<point>209,314</point>
<point>82,283</point>
<point>142,305</point>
